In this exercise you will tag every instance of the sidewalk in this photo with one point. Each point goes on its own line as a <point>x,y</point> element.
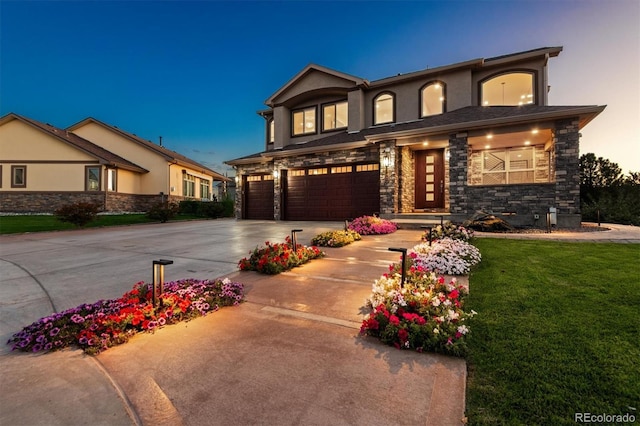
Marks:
<point>291,354</point>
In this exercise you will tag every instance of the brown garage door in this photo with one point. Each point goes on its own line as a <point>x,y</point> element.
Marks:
<point>258,197</point>
<point>332,192</point>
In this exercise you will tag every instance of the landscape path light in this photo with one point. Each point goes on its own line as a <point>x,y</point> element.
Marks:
<point>158,278</point>
<point>404,262</point>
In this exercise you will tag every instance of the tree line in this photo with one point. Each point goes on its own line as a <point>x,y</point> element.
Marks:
<point>606,194</point>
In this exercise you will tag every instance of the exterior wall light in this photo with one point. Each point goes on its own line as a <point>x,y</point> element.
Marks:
<point>447,154</point>
<point>386,160</point>
<point>276,174</point>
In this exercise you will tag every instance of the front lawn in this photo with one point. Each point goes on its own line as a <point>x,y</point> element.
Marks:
<point>39,223</point>
<point>558,332</point>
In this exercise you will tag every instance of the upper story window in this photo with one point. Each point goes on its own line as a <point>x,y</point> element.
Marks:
<point>383,109</point>
<point>335,116</point>
<point>432,96</point>
<point>304,121</point>
<point>92,181</point>
<point>271,136</point>
<point>514,88</point>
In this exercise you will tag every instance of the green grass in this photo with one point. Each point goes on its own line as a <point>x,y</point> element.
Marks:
<point>37,223</point>
<point>558,332</point>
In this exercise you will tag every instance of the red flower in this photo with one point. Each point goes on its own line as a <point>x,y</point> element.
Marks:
<point>394,320</point>
<point>403,335</point>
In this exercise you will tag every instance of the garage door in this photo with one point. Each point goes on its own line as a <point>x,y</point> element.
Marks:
<point>332,192</point>
<point>258,197</point>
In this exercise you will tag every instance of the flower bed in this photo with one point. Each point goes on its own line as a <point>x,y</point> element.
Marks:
<point>449,230</point>
<point>446,256</point>
<point>278,257</point>
<point>336,238</point>
<point>107,323</point>
<point>425,315</point>
<point>371,225</point>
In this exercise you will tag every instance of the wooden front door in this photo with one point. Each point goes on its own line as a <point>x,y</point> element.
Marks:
<point>430,179</point>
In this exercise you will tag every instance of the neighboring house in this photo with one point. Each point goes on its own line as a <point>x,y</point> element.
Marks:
<point>43,167</point>
<point>451,140</point>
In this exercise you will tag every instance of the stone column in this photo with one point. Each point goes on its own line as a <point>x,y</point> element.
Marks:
<point>458,170</point>
<point>566,141</point>
<point>388,177</point>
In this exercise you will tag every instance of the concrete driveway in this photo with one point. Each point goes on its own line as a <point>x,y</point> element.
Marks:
<point>290,355</point>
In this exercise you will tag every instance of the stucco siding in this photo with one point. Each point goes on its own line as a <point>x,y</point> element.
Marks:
<point>20,141</point>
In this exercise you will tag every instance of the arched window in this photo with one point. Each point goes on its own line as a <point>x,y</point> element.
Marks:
<point>432,99</point>
<point>514,88</point>
<point>383,108</point>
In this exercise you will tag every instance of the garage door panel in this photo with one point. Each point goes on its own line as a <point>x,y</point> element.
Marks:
<point>332,195</point>
<point>259,198</point>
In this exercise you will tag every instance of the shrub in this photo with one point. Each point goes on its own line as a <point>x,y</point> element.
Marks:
<point>369,225</point>
<point>335,238</point>
<point>189,207</point>
<point>212,209</point>
<point>78,214</point>
<point>278,257</point>
<point>163,211</point>
<point>449,230</point>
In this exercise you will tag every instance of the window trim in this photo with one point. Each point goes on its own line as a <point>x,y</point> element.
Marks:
<point>271,131</point>
<point>0,175</point>
<point>191,182</point>
<point>335,105</point>
<point>443,102</point>
<point>303,110</point>
<point>115,179</point>
<point>205,183</point>
<point>24,176</point>
<point>86,178</point>
<point>393,108</point>
<point>507,165</point>
<point>534,83</point>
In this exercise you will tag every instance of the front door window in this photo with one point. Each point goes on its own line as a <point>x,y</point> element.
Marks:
<point>430,179</point>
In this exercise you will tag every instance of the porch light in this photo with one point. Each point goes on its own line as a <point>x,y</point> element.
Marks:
<point>386,160</point>
<point>276,174</point>
<point>447,154</point>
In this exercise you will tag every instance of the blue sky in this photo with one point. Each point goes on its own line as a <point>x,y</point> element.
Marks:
<point>195,73</point>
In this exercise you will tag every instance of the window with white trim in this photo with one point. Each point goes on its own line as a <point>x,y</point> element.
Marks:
<point>112,175</point>
<point>189,185</point>
<point>508,166</point>
<point>205,189</point>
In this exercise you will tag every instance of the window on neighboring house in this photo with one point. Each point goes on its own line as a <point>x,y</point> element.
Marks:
<point>271,137</point>
<point>508,166</point>
<point>432,95</point>
<point>383,109</point>
<point>18,176</point>
<point>205,189</point>
<point>304,121</point>
<point>188,185</point>
<point>112,175</point>
<point>514,88</point>
<point>335,116</point>
<point>92,178</point>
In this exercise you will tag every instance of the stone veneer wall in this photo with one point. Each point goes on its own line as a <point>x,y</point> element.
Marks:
<point>48,202</point>
<point>525,200</point>
<point>407,180</point>
<point>566,140</point>
<point>389,178</point>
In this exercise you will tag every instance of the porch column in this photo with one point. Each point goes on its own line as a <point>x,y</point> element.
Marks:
<point>458,164</point>
<point>388,177</point>
<point>566,141</point>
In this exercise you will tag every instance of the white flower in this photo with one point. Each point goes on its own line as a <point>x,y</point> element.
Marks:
<point>435,302</point>
<point>463,329</point>
<point>436,331</point>
<point>452,315</point>
<point>226,281</point>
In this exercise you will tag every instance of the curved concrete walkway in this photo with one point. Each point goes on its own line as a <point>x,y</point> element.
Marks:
<point>290,355</point>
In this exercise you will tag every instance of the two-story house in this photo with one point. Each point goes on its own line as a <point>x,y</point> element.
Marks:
<point>43,167</point>
<point>451,140</point>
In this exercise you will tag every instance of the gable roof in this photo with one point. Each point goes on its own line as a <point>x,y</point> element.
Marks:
<point>463,119</point>
<point>308,69</point>
<point>102,155</point>
<point>167,154</point>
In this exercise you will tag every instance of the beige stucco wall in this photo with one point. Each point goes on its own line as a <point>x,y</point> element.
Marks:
<point>176,180</point>
<point>155,181</point>
<point>128,182</point>
<point>51,164</point>
<point>20,141</point>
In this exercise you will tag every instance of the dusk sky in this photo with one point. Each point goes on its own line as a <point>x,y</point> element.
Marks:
<point>195,73</point>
